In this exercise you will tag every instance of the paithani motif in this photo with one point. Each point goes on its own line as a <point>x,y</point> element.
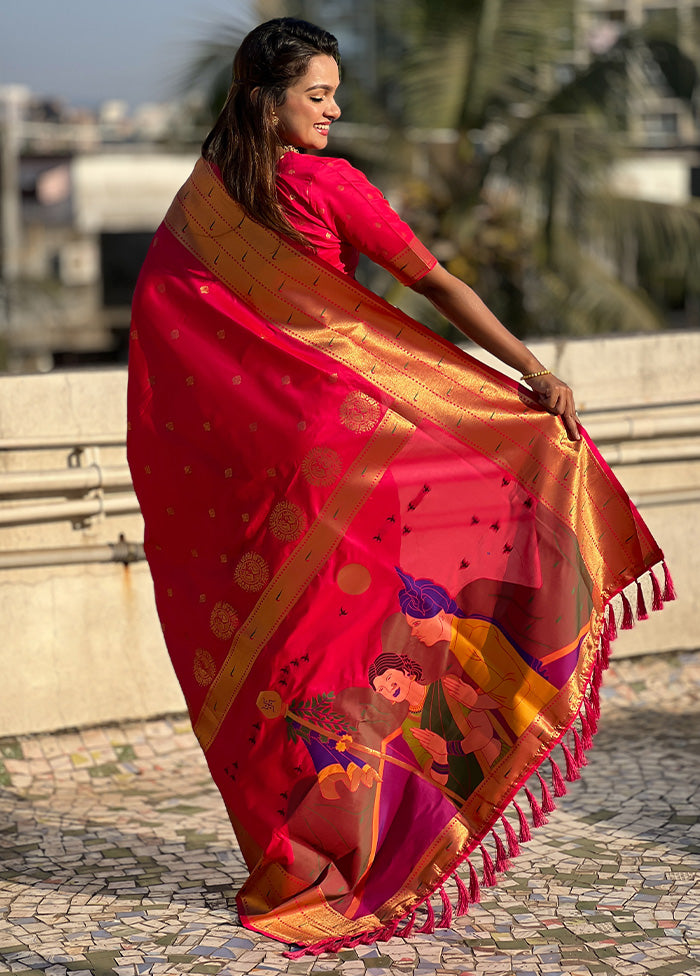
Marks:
<point>223,620</point>
<point>384,582</point>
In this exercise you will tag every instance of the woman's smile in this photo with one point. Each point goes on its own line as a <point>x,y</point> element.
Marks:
<point>309,107</point>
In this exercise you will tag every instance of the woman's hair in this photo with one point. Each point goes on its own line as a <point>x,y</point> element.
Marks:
<point>397,662</point>
<point>422,598</point>
<point>244,143</point>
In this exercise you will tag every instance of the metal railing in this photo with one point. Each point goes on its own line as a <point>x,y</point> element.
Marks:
<point>82,491</point>
<point>656,434</point>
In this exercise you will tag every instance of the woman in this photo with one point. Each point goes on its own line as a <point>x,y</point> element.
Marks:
<point>446,727</point>
<point>292,439</point>
<point>483,651</point>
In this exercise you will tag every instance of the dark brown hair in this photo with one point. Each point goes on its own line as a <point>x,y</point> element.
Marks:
<point>244,143</point>
<point>397,662</point>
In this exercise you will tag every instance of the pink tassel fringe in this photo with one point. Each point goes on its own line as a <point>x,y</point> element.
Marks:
<point>548,804</point>
<point>592,715</point>
<point>669,588</point>
<point>445,919</point>
<point>557,779</point>
<point>538,817</point>
<point>502,862</point>
<point>474,890</point>
<point>641,605</point>
<point>627,619</point>
<point>579,754</point>
<point>408,928</point>
<point>572,773</point>
<point>511,837</point>
<point>488,879</point>
<point>586,734</point>
<point>462,897</point>
<point>428,926</point>
<point>525,834</point>
<point>657,602</point>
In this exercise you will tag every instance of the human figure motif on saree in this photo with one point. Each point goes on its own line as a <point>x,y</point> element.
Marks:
<point>447,726</point>
<point>485,653</point>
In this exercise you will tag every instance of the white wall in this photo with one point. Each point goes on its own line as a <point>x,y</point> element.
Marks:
<point>126,192</point>
<point>662,179</point>
<point>81,644</point>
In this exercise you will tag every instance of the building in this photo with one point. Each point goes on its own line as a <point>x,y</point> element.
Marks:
<point>81,198</point>
<point>657,119</point>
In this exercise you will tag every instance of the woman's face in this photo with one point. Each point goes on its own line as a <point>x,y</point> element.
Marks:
<point>392,685</point>
<point>309,107</point>
<point>428,630</point>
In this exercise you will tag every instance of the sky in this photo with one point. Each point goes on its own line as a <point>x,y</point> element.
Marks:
<point>86,51</point>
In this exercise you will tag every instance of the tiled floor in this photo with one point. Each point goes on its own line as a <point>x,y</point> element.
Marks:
<point>116,857</point>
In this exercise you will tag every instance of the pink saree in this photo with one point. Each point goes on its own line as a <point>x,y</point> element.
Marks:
<point>385,577</point>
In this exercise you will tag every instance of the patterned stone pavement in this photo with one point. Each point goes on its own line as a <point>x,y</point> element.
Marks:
<point>116,857</point>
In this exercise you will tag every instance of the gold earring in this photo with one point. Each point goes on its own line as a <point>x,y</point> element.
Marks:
<point>274,120</point>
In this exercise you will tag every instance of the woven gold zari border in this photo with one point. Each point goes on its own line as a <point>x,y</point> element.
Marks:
<point>280,595</point>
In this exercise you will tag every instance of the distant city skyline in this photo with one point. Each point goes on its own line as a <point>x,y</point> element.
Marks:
<point>84,52</point>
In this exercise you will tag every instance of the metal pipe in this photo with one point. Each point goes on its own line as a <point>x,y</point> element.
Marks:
<point>121,551</point>
<point>122,504</point>
<point>67,441</point>
<point>663,451</point>
<point>666,496</point>
<point>633,427</point>
<point>66,479</point>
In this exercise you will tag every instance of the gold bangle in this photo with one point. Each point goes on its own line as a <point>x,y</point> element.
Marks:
<point>531,376</point>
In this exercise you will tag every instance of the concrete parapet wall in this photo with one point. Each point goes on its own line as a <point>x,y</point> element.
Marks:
<point>82,644</point>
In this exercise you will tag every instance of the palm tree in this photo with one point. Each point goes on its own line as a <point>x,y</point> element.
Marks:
<point>527,211</point>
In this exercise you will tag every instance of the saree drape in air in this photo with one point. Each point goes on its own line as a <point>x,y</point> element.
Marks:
<point>384,575</point>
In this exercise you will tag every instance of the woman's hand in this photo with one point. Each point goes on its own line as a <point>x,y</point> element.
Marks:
<point>463,307</point>
<point>558,398</point>
<point>433,744</point>
<point>466,695</point>
<point>459,690</point>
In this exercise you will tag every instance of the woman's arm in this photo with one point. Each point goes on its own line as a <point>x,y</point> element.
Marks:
<point>463,307</point>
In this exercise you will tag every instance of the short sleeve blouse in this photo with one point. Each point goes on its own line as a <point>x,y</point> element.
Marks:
<point>342,214</point>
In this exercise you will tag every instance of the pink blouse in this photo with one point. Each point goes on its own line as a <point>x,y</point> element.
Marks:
<point>342,214</point>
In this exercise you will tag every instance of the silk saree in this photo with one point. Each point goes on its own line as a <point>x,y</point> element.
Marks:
<point>387,580</point>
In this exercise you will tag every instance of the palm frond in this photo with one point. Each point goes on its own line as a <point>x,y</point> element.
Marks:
<point>578,295</point>
<point>665,235</point>
<point>210,68</point>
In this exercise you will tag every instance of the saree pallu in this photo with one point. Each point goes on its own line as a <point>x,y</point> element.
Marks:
<point>384,577</point>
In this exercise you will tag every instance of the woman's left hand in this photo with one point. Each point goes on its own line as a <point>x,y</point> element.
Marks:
<point>558,398</point>
<point>459,690</point>
<point>432,743</point>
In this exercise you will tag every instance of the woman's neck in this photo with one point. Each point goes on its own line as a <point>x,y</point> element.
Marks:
<point>416,696</point>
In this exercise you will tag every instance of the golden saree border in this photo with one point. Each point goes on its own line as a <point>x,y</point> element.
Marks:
<point>304,916</point>
<point>324,535</point>
<point>318,306</point>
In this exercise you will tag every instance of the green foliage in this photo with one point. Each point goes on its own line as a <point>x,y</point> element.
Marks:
<point>525,210</point>
<point>319,711</point>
